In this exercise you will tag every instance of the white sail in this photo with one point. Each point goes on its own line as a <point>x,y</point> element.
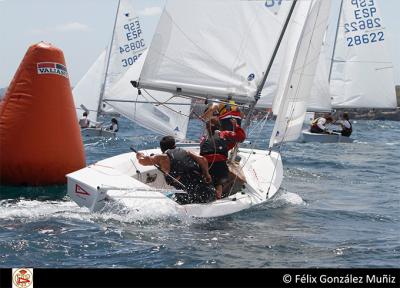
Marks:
<point>288,53</point>
<point>271,87</point>
<point>293,106</point>
<point>127,44</point>
<point>126,47</point>
<point>158,111</point>
<point>87,91</point>
<point>320,97</point>
<point>362,74</point>
<point>275,86</point>
<point>213,62</point>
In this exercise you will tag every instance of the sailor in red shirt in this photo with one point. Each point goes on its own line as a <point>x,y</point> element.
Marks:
<point>215,148</point>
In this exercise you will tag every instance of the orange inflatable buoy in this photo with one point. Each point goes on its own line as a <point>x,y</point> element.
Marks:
<point>40,139</point>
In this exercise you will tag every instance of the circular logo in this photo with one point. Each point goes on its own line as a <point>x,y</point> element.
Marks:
<point>251,77</point>
<point>22,278</point>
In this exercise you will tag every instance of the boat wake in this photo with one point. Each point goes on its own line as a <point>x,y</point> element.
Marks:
<point>33,210</point>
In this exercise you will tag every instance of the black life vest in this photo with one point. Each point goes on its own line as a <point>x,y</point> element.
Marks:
<point>182,166</point>
<point>347,131</point>
<point>214,145</point>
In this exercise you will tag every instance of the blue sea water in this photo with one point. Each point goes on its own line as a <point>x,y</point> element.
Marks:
<point>338,207</point>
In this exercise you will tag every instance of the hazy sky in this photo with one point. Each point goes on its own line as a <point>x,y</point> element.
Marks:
<point>83,28</point>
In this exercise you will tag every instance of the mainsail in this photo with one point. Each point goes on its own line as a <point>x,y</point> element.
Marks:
<point>213,62</point>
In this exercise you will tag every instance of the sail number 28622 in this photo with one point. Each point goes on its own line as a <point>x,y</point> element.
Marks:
<point>363,23</point>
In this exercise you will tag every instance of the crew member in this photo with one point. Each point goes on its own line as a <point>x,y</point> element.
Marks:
<point>215,149</point>
<point>183,170</point>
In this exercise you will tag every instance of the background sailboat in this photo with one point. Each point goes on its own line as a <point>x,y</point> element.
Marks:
<point>359,75</point>
<point>127,45</point>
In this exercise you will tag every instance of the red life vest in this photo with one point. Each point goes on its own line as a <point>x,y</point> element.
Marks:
<point>214,149</point>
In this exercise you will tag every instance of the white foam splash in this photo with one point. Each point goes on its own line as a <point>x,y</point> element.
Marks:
<point>34,209</point>
<point>290,198</point>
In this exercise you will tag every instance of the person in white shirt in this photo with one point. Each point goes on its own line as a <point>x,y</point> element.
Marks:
<point>114,125</point>
<point>84,122</point>
<point>319,125</point>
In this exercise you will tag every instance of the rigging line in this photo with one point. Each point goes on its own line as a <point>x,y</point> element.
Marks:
<point>197,115</point>
<point>166,106</point>
<point>268,70</point>
<point>334,45</point>
<point>166,101</point>
<point>264,122</point>
<point>259,129</point>
<point>143,102</point>
<point>253,144</point>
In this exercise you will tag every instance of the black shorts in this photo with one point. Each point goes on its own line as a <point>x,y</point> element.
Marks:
<point>219,172</point>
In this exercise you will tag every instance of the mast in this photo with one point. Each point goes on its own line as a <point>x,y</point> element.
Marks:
<point>334,43</point>
<point>108,61</point>
<point>261,86</point>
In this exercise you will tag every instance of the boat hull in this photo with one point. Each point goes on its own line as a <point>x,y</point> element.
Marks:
<point>307,136</point>
<point>121,179</point>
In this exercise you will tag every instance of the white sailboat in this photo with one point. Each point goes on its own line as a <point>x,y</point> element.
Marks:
<point>234,60</point>
<point>359,76</point>
<point>127,45</point>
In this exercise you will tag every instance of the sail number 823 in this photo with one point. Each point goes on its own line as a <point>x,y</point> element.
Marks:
<point>365,39</point>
